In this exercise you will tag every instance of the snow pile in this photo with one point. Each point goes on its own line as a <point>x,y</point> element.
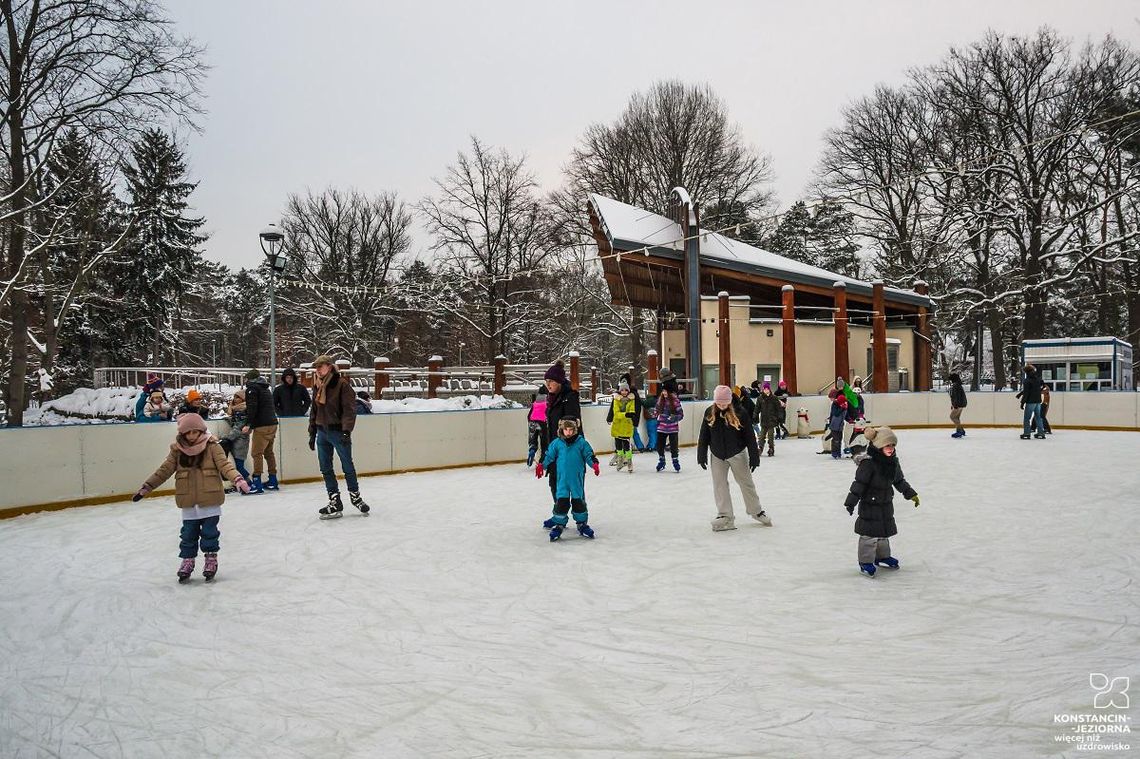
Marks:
<point>86,406</point>
<point>456,403</point>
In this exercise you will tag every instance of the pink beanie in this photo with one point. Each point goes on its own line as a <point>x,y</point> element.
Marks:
<point>191,421</point>
<point>722,394</point>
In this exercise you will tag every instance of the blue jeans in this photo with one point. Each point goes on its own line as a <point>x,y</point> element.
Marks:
<point>1032,419</point>
<point>239,464</point>
<point>651,434</point>
<point>327,442</point>
<point>637,444</point>
<point>195,530</point>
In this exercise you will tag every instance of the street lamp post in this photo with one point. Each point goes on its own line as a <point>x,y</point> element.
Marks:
<point>271,240</point>
<point>461,344</point>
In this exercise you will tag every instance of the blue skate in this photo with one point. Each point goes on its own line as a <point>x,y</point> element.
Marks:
<point>585,530</point>
<point>555,532</point>
<point>890,562</point>
<point>867,569</point>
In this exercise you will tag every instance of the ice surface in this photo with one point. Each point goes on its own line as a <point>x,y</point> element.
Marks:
<point>446,625</point>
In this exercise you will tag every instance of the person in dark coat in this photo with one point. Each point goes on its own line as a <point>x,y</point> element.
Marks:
<point>733,446</point>
<point>332,417</point>
<point>768,409</point>
<point>291,398</point>
<point>561,403</point>
<point>746,403</point>
<point>1030,396</point>
<point>957,404</point>
<point>782,418</point>
<point>194,404</point>
<point>878,476</point>
<point>261,423</point>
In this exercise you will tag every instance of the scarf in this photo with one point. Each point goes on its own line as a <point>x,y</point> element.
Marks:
<point>192,450</point>
<point>319,385</point>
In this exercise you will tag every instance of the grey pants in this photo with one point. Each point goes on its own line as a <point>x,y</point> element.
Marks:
<point>956,417</point>
<point>738,464</point>
<point>871,549</point>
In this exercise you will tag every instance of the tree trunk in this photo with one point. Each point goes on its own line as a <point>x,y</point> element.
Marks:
<point>1132,284</point>
<point>997,346</point>
<point>1034,323</point>
<point>18,340</point>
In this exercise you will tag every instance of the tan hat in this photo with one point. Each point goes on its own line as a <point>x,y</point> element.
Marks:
<point>323,359</point>
<point>881,437</point>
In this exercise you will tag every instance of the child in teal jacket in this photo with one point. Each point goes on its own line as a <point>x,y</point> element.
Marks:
<point>574,456</point>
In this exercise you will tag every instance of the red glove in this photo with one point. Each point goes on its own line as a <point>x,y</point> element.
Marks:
<point>538,470</point>
<point>242,485</point>
<point>597,469</point>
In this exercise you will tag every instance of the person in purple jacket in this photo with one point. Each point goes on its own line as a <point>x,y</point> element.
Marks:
<point>669,416</point>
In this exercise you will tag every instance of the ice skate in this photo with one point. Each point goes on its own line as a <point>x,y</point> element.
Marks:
<point>255,486</point>
<point>358,501</point>
<point>334,509</point>
<point>629,464</point>
<point>722,523</point>
<point>185,570</point>
<point>548,523</point>
<point>890,562</point>
<point>556,532</point>
<point>585,530</point>
<point>676,465</point>
<point>211,567</point>
<point>867,569</point>
<point>614,459</point>
<point>621,464</point>
<point>661,464</point>
<point>762,518</point>
<point>271,483</point>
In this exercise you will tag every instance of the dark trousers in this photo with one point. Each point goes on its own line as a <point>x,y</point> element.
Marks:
<point>327,442</point>
<point>1044,418</point>
<point>239,464</point>
<point>667,438</point>
<point>552,479</point>
<point>195,531</point>
<point>621,444</point>
<point>564,505</point>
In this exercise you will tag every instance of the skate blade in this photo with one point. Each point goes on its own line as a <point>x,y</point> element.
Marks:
<point>326,517</point>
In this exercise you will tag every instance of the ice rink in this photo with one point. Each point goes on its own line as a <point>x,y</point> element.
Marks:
<point>446,625</point>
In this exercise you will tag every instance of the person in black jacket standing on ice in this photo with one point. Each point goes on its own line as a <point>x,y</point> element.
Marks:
<point>291,398</point>
<point>957,404</point>
<point>1030,396</point>
<point>878,476</point>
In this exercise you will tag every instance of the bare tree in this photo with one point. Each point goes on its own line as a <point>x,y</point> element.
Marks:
<point>491,229</point>
<point>104,67</point>
<point>346,247</point>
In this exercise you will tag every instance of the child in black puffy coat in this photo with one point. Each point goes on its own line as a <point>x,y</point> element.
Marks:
<point>878,476</point>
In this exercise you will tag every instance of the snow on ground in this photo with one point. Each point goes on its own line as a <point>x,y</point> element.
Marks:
<point>446,625</point>
<point>117,404</point>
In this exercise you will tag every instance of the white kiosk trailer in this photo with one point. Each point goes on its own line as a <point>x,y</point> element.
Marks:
<point>1081,363</point>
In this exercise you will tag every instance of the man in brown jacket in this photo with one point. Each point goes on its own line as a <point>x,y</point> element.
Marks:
<point>331,420</point>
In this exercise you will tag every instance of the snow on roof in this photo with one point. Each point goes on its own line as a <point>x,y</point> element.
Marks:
<point>632,227</point>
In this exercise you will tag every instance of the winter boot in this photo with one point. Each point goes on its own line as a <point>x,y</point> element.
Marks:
<point>762,518</point>
<point>661,464</point>
<point>890,562</point>
<point>358,502</point>
<point>211,567</point>
<point>271,483</point>
<point>585,530</point>
<point>255,486</point>
<point>722,523</point>
<point>185,570</point>
<point>556,532</point>
<point>867,569</point>
<point>676,465</point>
<point>334,509</point>
<point>771,452</point>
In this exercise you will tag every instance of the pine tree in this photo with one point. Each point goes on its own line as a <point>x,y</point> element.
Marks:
<point>164,239</point>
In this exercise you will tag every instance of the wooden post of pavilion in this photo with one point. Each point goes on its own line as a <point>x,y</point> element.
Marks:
<point>380,376</point>
<point>435,378</point>
<point>788,327</point>
<point>593,384</point>
<point>842,353</point>
<point>574,382</point>
<point>723,342</point>
<point>500,374</point>
<point>923,369</point>
<point>652,372</point>
<point>881,382</point>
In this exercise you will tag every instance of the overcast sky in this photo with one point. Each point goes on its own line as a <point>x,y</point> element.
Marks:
<point>381,95</point>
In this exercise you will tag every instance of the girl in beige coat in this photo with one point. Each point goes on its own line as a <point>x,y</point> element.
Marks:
<point>198,464</point>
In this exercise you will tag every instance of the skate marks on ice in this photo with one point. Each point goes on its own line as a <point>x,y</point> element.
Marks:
<point>451,627</point>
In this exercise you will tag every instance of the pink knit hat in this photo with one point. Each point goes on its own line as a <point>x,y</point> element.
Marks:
<point>191,421</point>
<point>722,394</point>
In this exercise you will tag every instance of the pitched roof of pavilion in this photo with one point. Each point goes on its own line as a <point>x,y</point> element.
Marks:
<point>734,265</point>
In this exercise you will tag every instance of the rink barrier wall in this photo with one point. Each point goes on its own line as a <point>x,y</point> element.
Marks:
<point>49,468</point>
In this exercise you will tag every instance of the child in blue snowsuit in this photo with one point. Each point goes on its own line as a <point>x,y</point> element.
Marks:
<point>574,456</point>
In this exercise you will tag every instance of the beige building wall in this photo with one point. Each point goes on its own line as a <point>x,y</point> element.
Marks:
<point>751,345</point>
